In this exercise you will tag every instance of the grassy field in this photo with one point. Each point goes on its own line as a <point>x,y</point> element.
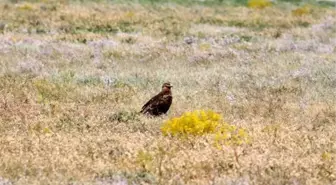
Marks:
<point>73,76</point>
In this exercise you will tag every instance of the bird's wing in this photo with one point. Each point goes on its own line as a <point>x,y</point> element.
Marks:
<point>150,103</point>
<point>169,99</point>
<point>165,102</point>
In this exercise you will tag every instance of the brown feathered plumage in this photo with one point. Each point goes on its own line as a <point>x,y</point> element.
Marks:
<point>160,103</point>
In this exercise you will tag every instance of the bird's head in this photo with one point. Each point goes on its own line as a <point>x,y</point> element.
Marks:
<point>166,87</point>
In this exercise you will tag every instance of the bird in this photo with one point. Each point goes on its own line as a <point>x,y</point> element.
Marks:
<point>160,103</point>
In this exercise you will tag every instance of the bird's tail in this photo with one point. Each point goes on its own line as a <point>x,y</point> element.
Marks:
<point>144,110</point>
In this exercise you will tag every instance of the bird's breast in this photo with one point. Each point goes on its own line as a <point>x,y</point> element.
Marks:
<point>167,98</point>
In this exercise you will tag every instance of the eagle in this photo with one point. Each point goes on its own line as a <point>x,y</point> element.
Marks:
<point>160,103</point>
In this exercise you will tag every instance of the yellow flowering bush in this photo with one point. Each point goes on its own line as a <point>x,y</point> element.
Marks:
<point>201,122</point>
<point>25,6</point>
<point>205,47</point>
<point>259,3</point>
<point>326,156</point>
<point>306,9</point>
<point>192,123</point>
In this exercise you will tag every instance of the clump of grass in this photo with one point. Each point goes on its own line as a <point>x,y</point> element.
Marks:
<point>129,40</point>
<point>259,3</point>
<point>124,116</point>
<point>47,90</point>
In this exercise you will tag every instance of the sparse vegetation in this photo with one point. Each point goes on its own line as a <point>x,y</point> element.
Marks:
<point>74,75</point>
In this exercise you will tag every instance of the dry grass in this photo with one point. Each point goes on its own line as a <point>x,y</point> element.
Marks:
<point>73,76</point>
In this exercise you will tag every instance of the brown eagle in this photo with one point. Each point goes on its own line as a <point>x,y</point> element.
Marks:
<point>160,103</point>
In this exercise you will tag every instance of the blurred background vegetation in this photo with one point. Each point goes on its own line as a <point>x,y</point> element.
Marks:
<point>189,2</point>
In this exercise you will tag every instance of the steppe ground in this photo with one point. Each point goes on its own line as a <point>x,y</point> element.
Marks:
<point>73,76</point>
